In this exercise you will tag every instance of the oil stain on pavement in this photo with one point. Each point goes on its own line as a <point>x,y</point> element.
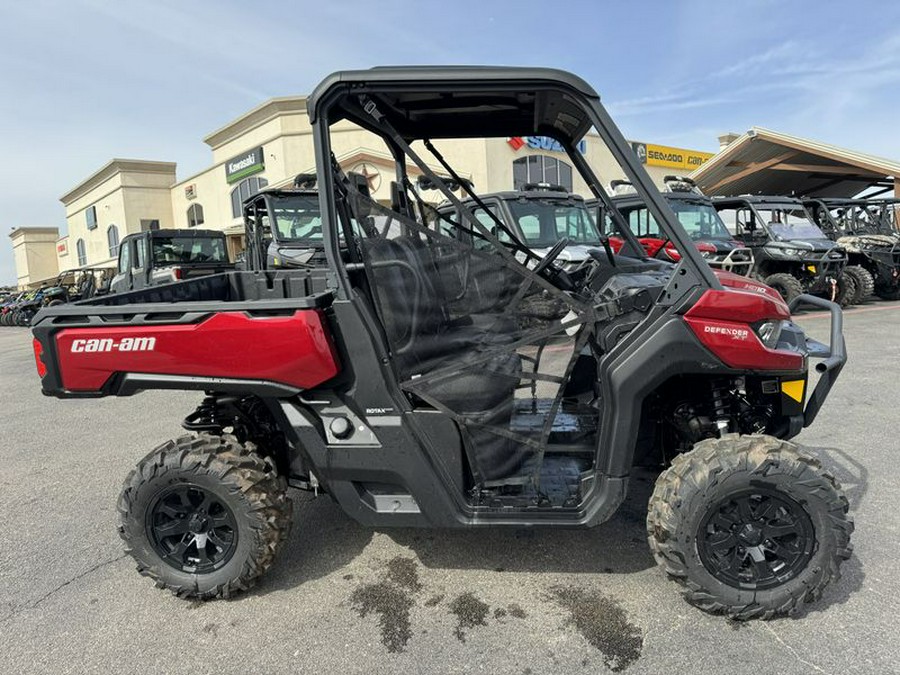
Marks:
<point>392,604</point>
<point>599,619</point>
<point>391,599</point>
<point>470,612</point>
<point>603,624</point>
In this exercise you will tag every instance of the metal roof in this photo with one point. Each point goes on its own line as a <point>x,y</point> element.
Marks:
<point>769,162</point>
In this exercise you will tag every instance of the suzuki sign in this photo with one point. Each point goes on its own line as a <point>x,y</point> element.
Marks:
<point>542,143</point>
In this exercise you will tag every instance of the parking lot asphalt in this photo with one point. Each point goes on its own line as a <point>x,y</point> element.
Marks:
<point>342,598</point>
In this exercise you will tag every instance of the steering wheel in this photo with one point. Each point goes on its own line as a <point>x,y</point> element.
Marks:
<point>551,255</point>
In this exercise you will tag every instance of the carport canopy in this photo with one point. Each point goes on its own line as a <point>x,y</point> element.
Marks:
<point>762,161</point>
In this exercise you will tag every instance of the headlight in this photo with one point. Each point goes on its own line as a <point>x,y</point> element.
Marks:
<point>786,252</point>
<point>769,332</point>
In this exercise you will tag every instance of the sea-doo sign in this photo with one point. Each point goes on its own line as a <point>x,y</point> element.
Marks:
<point>672,158</point>
<point>244,165</point>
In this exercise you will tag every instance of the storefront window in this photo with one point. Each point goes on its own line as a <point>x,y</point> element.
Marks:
<point>195,215</point>
<point>243,190</point>
<point>541,169</point>
<point>82,255</point>
<point>112,238</point>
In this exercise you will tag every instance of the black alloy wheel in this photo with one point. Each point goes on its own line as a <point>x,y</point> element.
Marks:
<point>750,526</point>
<point>756,539</point>
<point>204,515</point>
<point>191,529</point>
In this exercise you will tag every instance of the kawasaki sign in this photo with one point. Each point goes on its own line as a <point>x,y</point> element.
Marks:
<point>244,165</point>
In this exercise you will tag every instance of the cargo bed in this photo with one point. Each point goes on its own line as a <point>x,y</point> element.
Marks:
<point>235,331</point>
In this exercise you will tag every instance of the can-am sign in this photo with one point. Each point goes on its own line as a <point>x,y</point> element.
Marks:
<point>244,165</point>
<point>673,158</point>
<point>542,143</point>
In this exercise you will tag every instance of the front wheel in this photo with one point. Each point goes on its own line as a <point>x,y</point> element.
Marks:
<point>788,286</point>
<point>204,516</point>
<point>750,526</point>
<point>865,282</point>
<point>846,290</point>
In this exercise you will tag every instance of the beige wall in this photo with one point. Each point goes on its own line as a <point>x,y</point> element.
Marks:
<point>123,199</point>
<point>34,252</point>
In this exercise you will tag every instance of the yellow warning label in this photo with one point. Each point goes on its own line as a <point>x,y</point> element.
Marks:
<point>794,389</point>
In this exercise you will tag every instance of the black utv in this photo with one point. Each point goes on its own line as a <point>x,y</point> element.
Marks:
<point>539,215</point>
<point>791,254</point>
<point>396,378</point>
<point>77,284</point>
<point>283,227</point>
<point>873,251</point>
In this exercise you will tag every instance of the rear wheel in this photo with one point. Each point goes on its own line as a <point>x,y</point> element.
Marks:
<point>865,282</point>
<point>750,526</point>
<point>788,287</point>
<point>204,516</point>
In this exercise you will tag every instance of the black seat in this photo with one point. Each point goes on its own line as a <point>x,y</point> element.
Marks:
<point>423,337</point>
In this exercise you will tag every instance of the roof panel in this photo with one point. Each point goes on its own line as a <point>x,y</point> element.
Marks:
<point>762,161</point>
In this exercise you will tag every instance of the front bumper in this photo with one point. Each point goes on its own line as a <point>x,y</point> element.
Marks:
<point>737,261</point>
<point>833,355</point>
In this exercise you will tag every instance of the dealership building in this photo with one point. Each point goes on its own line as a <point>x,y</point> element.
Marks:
<point>268,146</point>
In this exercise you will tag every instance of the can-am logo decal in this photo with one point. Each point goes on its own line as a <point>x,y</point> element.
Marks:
<point>138,344</point>
<point>736,333</point>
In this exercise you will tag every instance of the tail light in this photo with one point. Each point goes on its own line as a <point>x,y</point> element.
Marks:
<point>39,357</point>
<point>742,329</point>
<point>176,271</point>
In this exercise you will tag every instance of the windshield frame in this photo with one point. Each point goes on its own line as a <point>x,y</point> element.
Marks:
<point>772,228</point>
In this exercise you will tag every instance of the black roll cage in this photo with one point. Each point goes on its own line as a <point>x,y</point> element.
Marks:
<point>342,95</point>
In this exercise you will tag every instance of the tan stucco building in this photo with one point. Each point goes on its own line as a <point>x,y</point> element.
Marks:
<point>268,146</point>
<point>34,252</point>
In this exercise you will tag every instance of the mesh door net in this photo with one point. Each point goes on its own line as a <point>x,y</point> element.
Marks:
<point>464,333</point>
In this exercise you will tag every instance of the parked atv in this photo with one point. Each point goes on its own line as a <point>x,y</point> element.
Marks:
<point>158,257</point>
<point>77,284</point>
<point>7,308</point>
<point>791,254</point>
<point>873,254</point>
<point>24,310</point>
<point>397,378</point>
<point>699,219</point>
<point>283,227</point>
<point>883,216</point>
<point>538,216</point>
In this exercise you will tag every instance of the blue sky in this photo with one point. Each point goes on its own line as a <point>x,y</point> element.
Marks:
<point>83,81</point>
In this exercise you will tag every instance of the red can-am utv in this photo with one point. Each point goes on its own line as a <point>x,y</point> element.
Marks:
<point>698,218</point>
<point>398,380</point>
